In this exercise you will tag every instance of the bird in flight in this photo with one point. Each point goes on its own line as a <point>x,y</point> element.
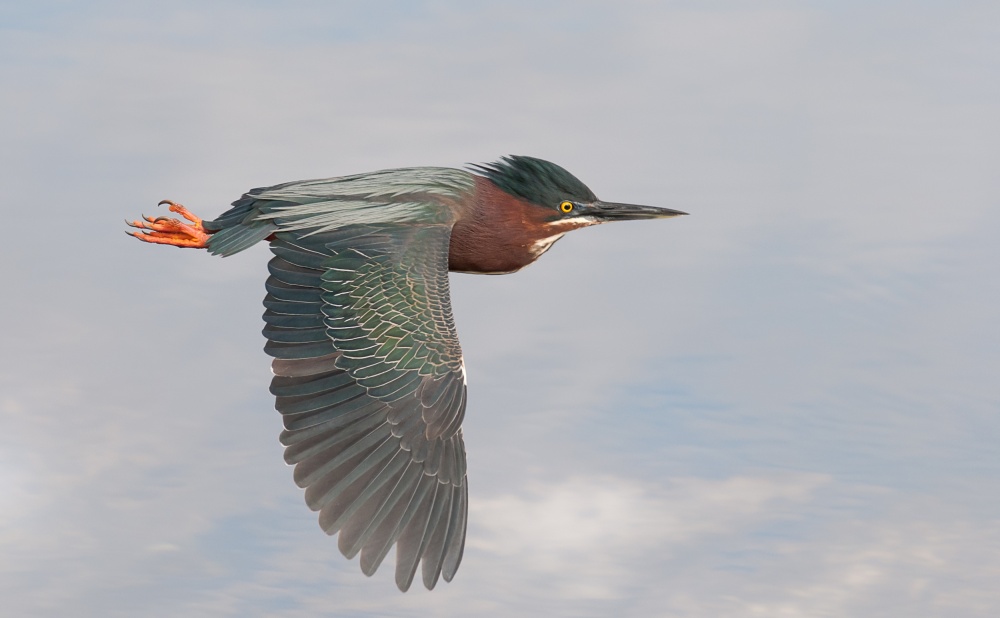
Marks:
<point>368,371</point>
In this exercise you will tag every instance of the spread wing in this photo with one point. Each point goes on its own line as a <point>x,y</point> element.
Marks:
<point>369,380</point>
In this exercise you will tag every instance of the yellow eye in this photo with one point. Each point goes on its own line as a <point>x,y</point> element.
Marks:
<point>566,206</point>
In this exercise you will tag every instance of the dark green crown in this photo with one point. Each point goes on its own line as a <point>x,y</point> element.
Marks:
<point>535,180</point>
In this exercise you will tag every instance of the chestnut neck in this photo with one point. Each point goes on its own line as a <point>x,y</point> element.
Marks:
<point>502,233</point>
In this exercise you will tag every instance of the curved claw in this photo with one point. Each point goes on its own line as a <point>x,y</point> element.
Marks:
<point>169,231</point>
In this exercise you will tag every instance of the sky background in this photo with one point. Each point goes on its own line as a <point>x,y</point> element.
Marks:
<point>786,404</point>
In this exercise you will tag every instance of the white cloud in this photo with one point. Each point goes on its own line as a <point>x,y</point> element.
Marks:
<point>593,536</point>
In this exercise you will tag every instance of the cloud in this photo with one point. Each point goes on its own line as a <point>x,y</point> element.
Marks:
<point>590,536</point>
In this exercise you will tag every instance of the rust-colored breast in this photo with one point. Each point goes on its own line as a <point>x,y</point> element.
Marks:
<point>500,233</point>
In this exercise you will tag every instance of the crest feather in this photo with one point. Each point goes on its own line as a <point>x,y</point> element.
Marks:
<point>535,180</point>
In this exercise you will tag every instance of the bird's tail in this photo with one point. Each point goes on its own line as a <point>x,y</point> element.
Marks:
<point>236,229</point>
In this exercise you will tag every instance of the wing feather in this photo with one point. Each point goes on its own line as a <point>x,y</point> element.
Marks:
<point>413,541</point>
<point>371,388</point>
<point>433,554</point>
<point>386,527</point>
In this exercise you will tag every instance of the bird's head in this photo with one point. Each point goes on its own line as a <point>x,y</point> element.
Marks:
<point>551,187</point>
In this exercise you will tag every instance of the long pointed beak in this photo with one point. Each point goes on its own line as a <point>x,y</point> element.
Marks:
<point>613,211</point>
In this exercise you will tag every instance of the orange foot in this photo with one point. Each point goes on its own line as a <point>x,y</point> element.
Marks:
<point>164,231</point>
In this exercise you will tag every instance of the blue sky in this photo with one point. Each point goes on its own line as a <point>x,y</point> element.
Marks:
<point>785,404</point>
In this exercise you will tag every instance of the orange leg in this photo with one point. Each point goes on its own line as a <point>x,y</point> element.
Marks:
<point>164,231</point>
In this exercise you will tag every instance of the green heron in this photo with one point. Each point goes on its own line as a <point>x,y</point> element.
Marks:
<point>368,371</point>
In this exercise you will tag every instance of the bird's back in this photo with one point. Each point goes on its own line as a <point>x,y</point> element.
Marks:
<point>419,195</point>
